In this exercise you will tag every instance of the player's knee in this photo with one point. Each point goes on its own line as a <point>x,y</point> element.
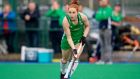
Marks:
<point>64,61</point>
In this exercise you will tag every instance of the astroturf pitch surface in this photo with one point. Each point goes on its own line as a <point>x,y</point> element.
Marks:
<point>84,71</point>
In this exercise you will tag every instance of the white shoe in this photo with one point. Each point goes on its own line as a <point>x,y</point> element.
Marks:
<point>100,62</point>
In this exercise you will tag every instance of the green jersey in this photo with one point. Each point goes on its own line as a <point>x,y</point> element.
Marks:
<point>117,17</point>
<point>103,13</point>
<point>56,14</point>
<point>76,31</point>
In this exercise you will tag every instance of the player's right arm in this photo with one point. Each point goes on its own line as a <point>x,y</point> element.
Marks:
<point>116,23</point>
<point>67,32</point>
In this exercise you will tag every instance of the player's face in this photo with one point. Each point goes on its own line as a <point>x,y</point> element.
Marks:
<point>7,9</point>
<point>103,3</point>
<point>72,12</point>
<point>117,8</point>
<point>66,8</point>
<point>80,8</point>
<point>32,6</point>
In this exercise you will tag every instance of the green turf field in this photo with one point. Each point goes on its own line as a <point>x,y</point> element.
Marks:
<point>84,71</point>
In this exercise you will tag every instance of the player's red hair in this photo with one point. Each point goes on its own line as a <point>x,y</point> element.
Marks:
<point>74,4</point>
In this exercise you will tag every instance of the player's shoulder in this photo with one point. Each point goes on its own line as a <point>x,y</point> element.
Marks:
<point>65,21</point>
<point>83,16</point>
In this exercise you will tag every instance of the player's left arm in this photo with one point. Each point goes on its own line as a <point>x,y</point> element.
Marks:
<point>87,25</point>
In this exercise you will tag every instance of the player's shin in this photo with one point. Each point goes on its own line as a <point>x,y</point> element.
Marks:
<point>71,68</point>
<point>63,67</point>
<point>74,67</point>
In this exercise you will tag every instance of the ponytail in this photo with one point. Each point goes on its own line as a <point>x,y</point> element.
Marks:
<point>74,4</point>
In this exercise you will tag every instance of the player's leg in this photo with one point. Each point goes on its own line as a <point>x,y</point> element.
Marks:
<point>76,62</point>
<point>108,47</point>
<point>66,54</point>
<point>102,47</point>
<point>75,66</point>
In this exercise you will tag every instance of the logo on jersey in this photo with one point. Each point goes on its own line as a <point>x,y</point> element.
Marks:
<point>81,23</point>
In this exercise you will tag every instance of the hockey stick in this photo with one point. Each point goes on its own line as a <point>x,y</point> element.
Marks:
<point>71,64</point>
